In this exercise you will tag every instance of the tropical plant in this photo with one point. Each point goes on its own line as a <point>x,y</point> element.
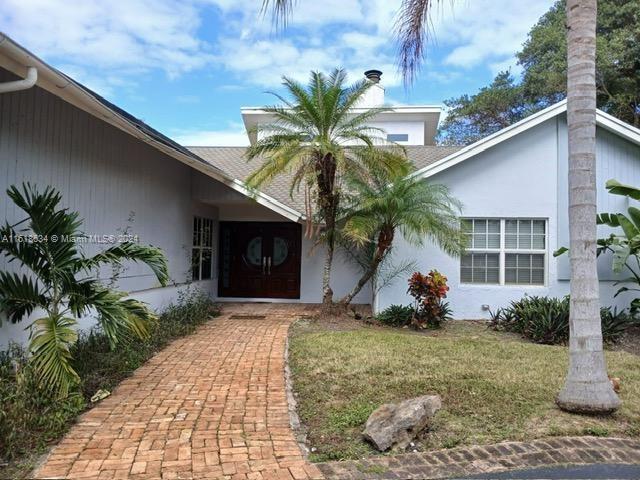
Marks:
<point>587,388</point>
<point>624,248</point>
<point>58,279</point>
<point>380,206</point>
<point>546,320</point>
<point>317,136</point>
<point>428,292</point>
<point>396,315</point>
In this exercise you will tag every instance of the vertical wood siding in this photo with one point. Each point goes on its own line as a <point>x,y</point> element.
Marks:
<point>102,173</point>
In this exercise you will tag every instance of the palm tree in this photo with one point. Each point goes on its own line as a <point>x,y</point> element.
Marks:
<point>419,210</point>
<point>316,136</point>
<point>587,388</point>
<point>58,280</point>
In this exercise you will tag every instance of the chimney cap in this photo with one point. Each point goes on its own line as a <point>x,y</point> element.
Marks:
<point>373,75</point>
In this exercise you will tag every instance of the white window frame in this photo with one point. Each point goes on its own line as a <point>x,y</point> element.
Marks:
<point>503,251</point>
<point>202,247</point>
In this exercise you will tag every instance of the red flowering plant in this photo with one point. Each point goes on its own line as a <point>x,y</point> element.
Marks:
<point>428,292</point>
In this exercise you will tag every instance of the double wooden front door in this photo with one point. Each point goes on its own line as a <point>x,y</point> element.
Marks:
<point>259,259</point>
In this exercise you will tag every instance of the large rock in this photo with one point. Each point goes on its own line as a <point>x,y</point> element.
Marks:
<point>396,424</point>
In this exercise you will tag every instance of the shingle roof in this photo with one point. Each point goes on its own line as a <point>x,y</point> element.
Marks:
<point>232,161</point>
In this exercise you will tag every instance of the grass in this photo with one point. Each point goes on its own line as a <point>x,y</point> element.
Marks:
<point>493,385</point>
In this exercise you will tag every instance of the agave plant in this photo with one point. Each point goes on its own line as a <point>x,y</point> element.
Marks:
<point>59,283</point>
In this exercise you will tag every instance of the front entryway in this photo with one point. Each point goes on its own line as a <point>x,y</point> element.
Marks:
<point>259,260</point>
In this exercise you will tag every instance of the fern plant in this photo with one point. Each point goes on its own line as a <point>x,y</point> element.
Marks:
<point>59,283</point>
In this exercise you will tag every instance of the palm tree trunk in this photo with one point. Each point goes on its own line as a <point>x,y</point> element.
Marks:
<point>327,293</point>
<point>385,240</point>
<point>328,198</point>
<point>587,388</point>
<point>366,276</point>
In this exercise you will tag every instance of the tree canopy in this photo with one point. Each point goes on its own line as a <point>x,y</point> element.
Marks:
<point>543,59</point>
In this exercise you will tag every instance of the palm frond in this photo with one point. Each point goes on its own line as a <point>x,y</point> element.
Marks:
<point>412,33</point>
<point>19,296</point>
<point>120,318</point>
<point>151,256</point>
<point>280,10</point>
<point>50,346</point>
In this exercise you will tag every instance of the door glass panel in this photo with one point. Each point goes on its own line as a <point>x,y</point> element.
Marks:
<point>253,254</point>
<point>280,251</point>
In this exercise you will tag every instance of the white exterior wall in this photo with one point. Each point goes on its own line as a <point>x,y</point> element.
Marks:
<point>415,130</point>
<point>519,179</point>
<point>104,174</point>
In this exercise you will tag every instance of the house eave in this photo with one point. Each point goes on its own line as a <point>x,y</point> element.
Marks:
<point>17,59</point>
<point>603,120</point>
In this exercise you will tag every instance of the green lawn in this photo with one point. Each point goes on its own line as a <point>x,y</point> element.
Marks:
<point>494,386</point>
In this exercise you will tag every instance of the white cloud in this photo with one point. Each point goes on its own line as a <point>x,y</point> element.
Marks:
<point>110,42</point>
<point>123,37</point>
<point>485,31</point>
<point>233,136</point>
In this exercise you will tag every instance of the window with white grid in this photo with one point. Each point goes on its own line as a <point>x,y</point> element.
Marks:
<point>507,251</point>
<point>202,250</point>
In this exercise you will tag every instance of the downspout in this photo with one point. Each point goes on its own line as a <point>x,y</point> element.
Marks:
<point>17,85</point>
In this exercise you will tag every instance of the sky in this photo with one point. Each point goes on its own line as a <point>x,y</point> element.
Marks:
<point>186,67</point>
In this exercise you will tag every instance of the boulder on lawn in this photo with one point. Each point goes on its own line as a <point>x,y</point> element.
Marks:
<point>396,424</point>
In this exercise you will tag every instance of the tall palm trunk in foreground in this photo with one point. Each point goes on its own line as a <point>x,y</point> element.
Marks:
<point>587,388</point>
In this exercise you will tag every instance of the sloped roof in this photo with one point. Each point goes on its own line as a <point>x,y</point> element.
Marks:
<point>15,59</point>
<point>231,161</point>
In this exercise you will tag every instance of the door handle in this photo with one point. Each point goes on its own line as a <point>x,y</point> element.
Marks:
<point>264,264</point>
<point>269,265</point>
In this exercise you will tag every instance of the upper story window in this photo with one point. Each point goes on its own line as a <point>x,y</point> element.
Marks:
<point>397,137</point>
<point>510,251</point>
<point>202,251</point>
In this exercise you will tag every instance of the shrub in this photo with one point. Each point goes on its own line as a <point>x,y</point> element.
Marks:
<point>546,320</point>
<point>31,416</point>
<point>396,315</point>
<point>428,291</point>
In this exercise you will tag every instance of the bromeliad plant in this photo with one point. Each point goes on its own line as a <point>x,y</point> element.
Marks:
<point>428,292</point>
<point>58,279</point>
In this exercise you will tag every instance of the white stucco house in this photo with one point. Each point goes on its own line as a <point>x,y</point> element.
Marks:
<point>120,173</point>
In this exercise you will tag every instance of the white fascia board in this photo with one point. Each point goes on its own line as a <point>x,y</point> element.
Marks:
<point>490,141</point>
<point>603,120</point>
<point>617,126</point>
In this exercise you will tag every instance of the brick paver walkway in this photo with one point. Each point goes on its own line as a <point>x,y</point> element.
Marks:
<point>210,405</point>
<point>463,461</point>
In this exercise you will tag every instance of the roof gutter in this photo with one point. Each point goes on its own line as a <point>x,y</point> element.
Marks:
<point>24,84</point>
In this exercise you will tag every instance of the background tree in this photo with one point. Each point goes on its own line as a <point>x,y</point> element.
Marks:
<point>543,59</point>
<point>470,118</point>
<point>316,137</point>
<point>381,206</point>
<point>61,281</point>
